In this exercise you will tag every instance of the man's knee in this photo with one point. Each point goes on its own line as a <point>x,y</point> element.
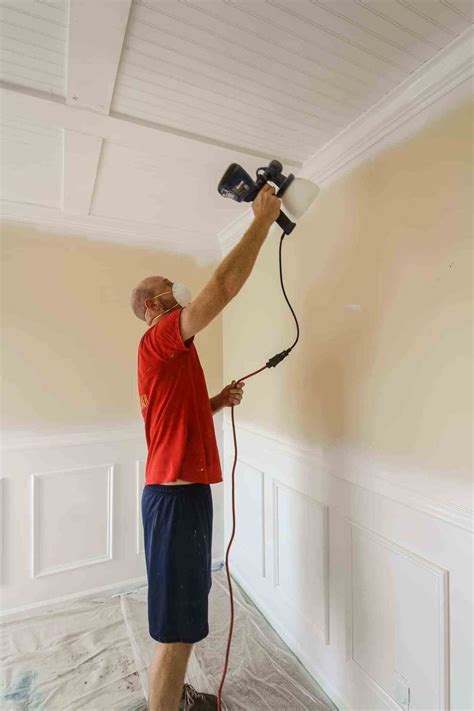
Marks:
<point>174,649</point>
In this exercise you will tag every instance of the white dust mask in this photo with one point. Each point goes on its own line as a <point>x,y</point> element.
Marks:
<point>181,293</point>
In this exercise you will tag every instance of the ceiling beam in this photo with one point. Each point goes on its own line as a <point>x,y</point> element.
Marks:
<point>81,155</point>
<point>85,131</point>
<point>96,36</point>
<point>153,139</point>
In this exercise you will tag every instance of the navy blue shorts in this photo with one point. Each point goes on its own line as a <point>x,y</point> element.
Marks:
<point>177,526</point>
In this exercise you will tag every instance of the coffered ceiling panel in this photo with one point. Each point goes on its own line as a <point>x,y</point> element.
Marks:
<point>170,191</point>
<point>31,157</point>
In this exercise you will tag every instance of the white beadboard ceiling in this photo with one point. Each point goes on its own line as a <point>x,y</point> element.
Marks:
<point>119,118</point>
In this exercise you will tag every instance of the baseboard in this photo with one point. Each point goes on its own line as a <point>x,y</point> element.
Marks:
<point>117,588</point>
<point>315,672</point>
<point>114,589</point>
<point>217,563</point>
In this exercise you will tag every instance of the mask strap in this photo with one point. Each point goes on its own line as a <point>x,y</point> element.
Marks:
<point>163,292</point>
<point>156,296</point>
<point>165,312</point>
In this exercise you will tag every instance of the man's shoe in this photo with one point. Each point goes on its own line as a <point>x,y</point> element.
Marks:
<point>192,700</point>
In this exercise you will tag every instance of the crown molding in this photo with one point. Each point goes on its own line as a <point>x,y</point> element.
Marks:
<point>399,114</point>
<point>118,231</point>
<point>436,78</point>
<point>231,234</point>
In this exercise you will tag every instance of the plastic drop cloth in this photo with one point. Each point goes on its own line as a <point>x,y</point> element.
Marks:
<point>69,656</point>
<point>262,675</point>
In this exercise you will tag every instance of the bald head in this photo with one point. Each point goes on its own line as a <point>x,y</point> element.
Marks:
<point>147,289</point>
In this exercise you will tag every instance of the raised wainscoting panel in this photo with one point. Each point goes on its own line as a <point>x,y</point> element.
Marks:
<point>248,549</point>
<point>301,556</point>
<point>398,621</point>
<point>78,504</point>
<point>69,516</point>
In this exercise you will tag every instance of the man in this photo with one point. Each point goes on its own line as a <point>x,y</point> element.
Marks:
<point>183,458</point>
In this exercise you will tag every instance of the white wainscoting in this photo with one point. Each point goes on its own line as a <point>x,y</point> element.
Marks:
<point>52,553</point>
<point>71,521</point>
<point>367,580</point>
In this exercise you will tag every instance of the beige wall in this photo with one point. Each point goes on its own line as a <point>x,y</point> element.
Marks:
<point>69,336</point>
<point>392,373</point>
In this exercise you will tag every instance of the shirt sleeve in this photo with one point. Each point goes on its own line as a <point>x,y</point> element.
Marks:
<point>165,338</point>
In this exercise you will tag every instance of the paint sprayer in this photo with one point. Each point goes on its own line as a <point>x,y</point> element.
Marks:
<point>296,194</point>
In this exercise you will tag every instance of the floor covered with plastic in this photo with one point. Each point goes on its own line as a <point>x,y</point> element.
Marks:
<point>94,654</point>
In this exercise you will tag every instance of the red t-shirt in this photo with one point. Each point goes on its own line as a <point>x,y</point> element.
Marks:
<point>175,405</point>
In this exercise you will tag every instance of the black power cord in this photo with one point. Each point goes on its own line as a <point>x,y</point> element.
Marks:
<point>274,360</point>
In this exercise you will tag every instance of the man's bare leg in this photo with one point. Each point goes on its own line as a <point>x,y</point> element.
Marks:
<point>166,676</point>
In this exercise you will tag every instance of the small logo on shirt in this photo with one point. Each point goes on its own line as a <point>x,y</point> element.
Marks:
<point>144,401</point>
